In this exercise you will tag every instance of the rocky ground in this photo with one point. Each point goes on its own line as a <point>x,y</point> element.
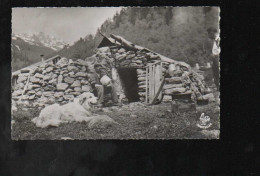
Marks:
<point>135,121</point>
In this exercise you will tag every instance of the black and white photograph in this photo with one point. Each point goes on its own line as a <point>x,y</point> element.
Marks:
<point>84,73</point>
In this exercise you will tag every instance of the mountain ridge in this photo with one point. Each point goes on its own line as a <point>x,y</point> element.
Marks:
<point>27,48</point>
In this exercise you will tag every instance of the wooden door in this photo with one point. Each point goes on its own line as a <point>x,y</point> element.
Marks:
<point>153,81</point>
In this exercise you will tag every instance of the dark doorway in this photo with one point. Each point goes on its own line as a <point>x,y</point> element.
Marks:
<point>128,77</point>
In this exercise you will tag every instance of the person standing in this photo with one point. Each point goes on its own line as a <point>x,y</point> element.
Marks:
<point>214,37</point>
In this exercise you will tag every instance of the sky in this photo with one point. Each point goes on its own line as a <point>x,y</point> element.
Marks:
<point>68,24</point>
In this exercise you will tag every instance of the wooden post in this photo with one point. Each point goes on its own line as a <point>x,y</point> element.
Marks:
<point>150,82</point>
<point>146,87</point>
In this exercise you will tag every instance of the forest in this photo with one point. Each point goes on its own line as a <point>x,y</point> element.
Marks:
<point>179,33</point>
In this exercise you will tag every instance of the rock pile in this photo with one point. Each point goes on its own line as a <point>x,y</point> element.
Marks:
<point>49,83</point>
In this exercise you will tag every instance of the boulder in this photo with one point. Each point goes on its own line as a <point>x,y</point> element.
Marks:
<point>62,86</point>
<point>39,93</point>
<point>60,78</point>
<point>21,85</point>
<point>62,61</point>
<point>130,56</point>
<point>38,75</point>
<point>26,70</point>
<point>60,99</point>
<point>209,97</point>
<point>54,76</point>
<point>43,100</point>
<point>82,74</point>
<point>91,60</point>
<point>72,74</point>
<point>25,97</point>
<point>68,90</point>
<point>121,50</point>
<point>135,65</point>
<point>16,97</point>
<point>51,100</point>
<point>76,83</point>
<point>141,78</point>
<point>77,89</point>
<point>32,97</point>
<point>75,93</point>
<point>53,81</point>
<point>173,80</point>
<point>35,70</point>
<point>63,65</point>
<point>82,62</point>
<point>71,61</point>
<point>174,90</point>
<point>46,77</point>
<point>36,80</point>
<point>31,92</point>
<point>83,69</point>
<point>17,93</point>
<point>170,86</point>
<point>83,81</point>
<point>49,69</point>
<point>21,78</point>
<point>33,86</point>
<point>49,87</point>
<point>68,80</point>
<point>140,71</point>
<point>121,57</point>
<point>86,88</point>
<point>137,61</point>
<point>101,121</point>
<point>58,94</point>
<point>73,68</point>
<point>48,93</point>
<point>68,97</point>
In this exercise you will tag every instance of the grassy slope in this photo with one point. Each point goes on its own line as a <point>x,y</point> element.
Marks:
<point>137,121</point>
<point>28,54</point>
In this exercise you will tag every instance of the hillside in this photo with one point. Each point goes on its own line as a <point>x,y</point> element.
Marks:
<point>179,33</point>
<point>26,49</point>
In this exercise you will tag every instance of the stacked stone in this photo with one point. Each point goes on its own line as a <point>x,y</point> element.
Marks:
<point>49,83</point>
<point>141,77</point>
<point>129,59</point>
<point>180,82</point>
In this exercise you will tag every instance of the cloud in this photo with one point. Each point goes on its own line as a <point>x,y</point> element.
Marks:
<point>68,24</point>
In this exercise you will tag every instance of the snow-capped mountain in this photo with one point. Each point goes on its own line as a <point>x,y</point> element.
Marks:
<point>41,39</point>
<point>27,49</point>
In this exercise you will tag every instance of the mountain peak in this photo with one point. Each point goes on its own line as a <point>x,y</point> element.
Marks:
<point>41,39</point>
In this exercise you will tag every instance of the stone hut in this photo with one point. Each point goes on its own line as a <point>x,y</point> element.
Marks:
<point>139,74</point>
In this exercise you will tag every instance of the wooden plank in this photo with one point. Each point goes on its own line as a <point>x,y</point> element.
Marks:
<point>158,91</point>
<point>157,77</point>
<point>153,83</point>
<point>150,83</point>
<point>146,83</point>
<point>161,78</point>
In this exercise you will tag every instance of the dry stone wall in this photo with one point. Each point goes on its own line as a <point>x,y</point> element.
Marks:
<point>49,83</point>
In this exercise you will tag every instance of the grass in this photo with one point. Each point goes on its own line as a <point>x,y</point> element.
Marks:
<point>136,121</point>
